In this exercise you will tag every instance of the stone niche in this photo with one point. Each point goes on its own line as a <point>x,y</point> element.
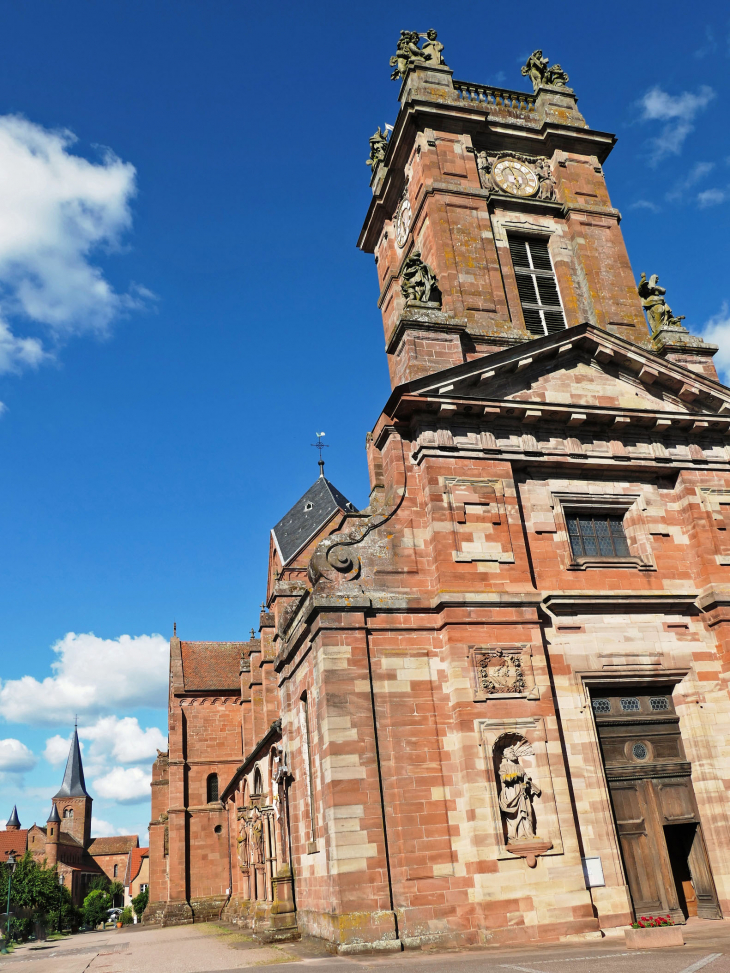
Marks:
<point>528,735</point>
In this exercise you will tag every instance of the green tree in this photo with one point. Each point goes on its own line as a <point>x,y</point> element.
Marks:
<point>95,907</point>
<point>99,882</point>
<point>139,902</point>
<point>116,893</point>
<point>35,893</point>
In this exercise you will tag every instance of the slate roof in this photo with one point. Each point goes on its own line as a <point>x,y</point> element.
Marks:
<point>212,665</point>
<point>73,780</point>
<point>13,821</point>
<point>118,845</point>
<point>307,517</point>
<point>16,841</point>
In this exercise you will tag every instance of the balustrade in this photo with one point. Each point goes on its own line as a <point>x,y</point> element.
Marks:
<point>498,97</point>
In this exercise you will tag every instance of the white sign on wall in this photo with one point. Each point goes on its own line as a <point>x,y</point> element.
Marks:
<point>593,872</point>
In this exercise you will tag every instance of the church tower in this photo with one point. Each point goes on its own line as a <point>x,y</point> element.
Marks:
<point>491,225</point>
<point>72,801</point>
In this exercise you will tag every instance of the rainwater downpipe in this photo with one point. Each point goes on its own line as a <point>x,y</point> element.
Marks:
<point>382,792</point>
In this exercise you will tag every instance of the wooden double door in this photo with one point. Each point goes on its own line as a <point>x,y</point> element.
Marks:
<point>655,810</point>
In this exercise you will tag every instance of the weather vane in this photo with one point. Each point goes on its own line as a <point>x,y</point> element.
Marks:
<point>320,446</point>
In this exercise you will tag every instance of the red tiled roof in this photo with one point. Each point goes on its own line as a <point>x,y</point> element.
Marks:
<point>212,665</point>
<point>16,841</point>
<point>136,862</point>
<point>118,845</point>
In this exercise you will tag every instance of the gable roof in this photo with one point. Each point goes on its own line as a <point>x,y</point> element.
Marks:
<point>73,784</point>
<point>116,845</point>
<point>307,518</point>
<point>209,666</point>
<point>16,841</point>
<point>502,375</point>
<point>136,856</point>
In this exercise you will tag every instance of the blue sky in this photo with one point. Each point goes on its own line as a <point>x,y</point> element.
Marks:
<point>182,305</point>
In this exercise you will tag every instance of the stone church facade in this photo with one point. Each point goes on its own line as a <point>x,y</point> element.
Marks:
<point>492,706</point>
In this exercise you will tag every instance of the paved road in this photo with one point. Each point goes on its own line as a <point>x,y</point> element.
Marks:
<point>213,948</point>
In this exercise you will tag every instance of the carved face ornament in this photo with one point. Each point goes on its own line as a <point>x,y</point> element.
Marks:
<point>515,178</point>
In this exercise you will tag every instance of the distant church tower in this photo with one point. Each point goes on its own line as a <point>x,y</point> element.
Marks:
<point>72,800</point>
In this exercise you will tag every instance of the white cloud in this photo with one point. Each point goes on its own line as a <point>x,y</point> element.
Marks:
<point>57,210</point>
<point>696,173</point>
<point>646,204</point>
<point>103,829</point>
<point>712,197</point>
<point>15,757</point>
<point>129,785</point>
<point>92,677</point>
<point>56,751</point>
<point>123,740</point>
<point>717,331</point>
<point>678,112</point>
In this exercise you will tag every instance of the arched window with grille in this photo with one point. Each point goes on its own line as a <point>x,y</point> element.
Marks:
<point>116,871</point>
<point>212,788</point>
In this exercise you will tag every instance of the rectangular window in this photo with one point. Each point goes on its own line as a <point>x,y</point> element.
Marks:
<point>536,285</point>
<point>597,536</point>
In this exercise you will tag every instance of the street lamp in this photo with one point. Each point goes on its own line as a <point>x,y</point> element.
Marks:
<point>12,865</point>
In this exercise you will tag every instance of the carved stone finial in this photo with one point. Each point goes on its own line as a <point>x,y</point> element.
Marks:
<point>418,281</point>
<point>540,74</point>
<point>378,148</point>
<point>658,312</point>
<point>408,52</point>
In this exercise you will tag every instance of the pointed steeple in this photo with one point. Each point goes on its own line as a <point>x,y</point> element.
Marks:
<point>73,780</point>
<point>53,817</point>
<point>13,822</point>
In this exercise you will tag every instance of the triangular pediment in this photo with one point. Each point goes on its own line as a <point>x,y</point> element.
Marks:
<point>582,368</point>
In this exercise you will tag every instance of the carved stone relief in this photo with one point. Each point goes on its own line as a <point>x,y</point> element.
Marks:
<point>502,672</point>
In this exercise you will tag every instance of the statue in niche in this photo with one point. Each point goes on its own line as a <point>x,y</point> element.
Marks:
<point>418,281</point>
<point>517,792</point>
<point>484,167</point>
<point>535,69</point>
<point>546,182</point>
<point>657,310</point>
<point>257,836</point>
<point>243,853</point>
<point>432,48</point>
<point>378,148</point>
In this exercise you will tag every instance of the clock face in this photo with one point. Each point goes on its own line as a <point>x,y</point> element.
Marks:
<point>403,219</point>
<point>515,178</point>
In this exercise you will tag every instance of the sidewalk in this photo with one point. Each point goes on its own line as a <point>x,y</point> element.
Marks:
<point>218,948</point>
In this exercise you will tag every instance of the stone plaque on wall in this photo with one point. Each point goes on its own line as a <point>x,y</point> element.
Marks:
<point>502,671</point>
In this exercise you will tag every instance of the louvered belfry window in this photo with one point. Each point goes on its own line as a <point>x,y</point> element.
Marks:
<point>536,284</point>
